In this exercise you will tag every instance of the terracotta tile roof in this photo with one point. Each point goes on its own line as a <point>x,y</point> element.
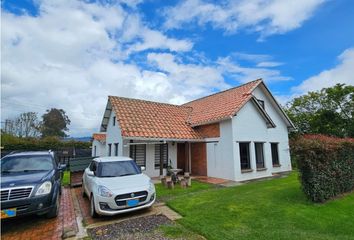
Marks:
<point>139,118</point>
<point>220,105</point>
<point>146,119</point>
<point>99,136</point>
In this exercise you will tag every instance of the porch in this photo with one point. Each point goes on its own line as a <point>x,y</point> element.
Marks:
<point>157,156</point>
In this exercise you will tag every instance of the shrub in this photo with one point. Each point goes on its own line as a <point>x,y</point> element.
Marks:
<point>11,143</point>
<point>326,165</point>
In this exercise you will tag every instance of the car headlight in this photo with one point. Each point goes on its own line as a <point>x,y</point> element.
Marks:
<point>45,188</point>
<point>151,187</point>
<point>104,192</point>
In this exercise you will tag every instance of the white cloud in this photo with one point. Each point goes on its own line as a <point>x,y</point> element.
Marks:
<point>245,74</point>
<point>150,39</point>
<point>73,54</point>
<point>269,64</point>
<point>342,73</point>
<point>190,79</point>
<point>264,16</point>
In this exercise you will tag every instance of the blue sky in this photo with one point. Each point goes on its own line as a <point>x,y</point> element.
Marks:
<point>72,54</point>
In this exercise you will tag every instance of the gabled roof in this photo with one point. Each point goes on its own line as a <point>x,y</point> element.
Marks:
<point>99,136</point>
<point>221,105</point>
<point>146,119</point>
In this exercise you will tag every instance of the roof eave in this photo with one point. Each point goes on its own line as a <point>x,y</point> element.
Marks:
<point>165,139</point>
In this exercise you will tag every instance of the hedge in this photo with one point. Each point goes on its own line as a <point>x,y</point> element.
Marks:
<point>11,143</point>
<point>326,165</point>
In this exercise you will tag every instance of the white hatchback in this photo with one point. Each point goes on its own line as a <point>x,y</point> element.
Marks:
<point>116,185</point>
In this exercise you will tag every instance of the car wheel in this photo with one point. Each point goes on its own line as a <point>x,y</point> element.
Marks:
<point>93,212</point>
<point>55,210</point>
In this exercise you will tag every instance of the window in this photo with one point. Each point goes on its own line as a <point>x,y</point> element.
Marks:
<point>93,166</point>
<point>117,169</point>
<point>114,121</point>
<point>138,153</point>
<point>109,149</point>
<point>161,152</point>
<point>116,149</point>
<point>245,156</point>
<point>95,151</point>
<point>259,155</point>
<point>275,154</point>
<point>261,102</point>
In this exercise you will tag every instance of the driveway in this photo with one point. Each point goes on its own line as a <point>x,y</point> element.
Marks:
<point>74,219</point>
<point>39,227</point>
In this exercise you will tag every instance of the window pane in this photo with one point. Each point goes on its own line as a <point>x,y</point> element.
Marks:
<point>161,152</point>
<point>117,169</point>
<point>245,155</point>
<point>26,163</point>
<point>275,154</point>
<point>109,149</point>
<point>259,155</point>
<point>138,153</point>
<point>116,149</point>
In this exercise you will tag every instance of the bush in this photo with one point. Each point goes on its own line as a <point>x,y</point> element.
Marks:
<point>11,143</point>
<point>326,165</point>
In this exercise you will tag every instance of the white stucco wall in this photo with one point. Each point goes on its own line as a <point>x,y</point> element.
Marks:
<point>100,149</point>
<point>150,159</point>
<point>220,160</point>
<point>113,136</point>
<point>249,126</point>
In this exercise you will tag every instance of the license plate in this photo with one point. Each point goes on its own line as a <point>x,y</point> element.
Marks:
<point>132,202</point>
<point>7,213</point>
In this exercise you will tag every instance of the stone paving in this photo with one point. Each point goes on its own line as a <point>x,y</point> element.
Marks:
<point>73,219</point>
<point>39,227</point>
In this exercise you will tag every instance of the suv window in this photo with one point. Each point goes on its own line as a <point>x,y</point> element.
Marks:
<point>26,163</point>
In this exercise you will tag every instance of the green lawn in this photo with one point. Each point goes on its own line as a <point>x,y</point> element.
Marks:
<point>270,209</point>
<point>164,193</point>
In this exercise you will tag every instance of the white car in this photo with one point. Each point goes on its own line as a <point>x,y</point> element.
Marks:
<point>116,185</point>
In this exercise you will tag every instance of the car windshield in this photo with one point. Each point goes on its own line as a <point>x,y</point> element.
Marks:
<point>118,169</point>
<point>26,164</point>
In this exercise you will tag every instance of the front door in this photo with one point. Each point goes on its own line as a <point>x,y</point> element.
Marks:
<point>181,156</point>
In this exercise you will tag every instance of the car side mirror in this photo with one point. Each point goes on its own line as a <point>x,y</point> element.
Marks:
<point>142,168</point>
<point>62,167</point>
<point>90,173</point>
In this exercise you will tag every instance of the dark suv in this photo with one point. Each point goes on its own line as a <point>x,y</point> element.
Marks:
<point>30,184</point>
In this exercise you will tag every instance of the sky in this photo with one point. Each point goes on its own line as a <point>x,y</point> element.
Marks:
<point>72,54</point>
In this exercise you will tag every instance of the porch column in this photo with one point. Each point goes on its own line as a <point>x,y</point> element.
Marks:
<point>161,162</point>
<point>187,157</point>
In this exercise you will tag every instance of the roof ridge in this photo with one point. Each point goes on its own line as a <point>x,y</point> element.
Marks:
<point>148,101</point>
<point>259,79</point>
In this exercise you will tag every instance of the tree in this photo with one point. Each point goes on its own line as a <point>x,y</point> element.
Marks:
<point>329,111</point>
<point>25,125</point>
<point>55,122</point>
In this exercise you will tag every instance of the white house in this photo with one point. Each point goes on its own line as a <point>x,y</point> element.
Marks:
<point>237,134</point>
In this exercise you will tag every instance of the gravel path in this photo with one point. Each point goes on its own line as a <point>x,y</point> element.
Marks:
<point>138,228</point>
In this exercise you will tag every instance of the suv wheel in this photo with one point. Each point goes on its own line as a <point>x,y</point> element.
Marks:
<point>55,210</point>
<point>93,212</point>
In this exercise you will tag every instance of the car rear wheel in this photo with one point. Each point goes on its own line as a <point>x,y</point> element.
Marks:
<point>93,212</point>
<point>55,210</point>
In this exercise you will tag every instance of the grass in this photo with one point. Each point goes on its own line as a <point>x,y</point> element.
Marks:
<point>179,232</point>
<point>270,209</point>
<point>66,178</point>
<point>163,193</point>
